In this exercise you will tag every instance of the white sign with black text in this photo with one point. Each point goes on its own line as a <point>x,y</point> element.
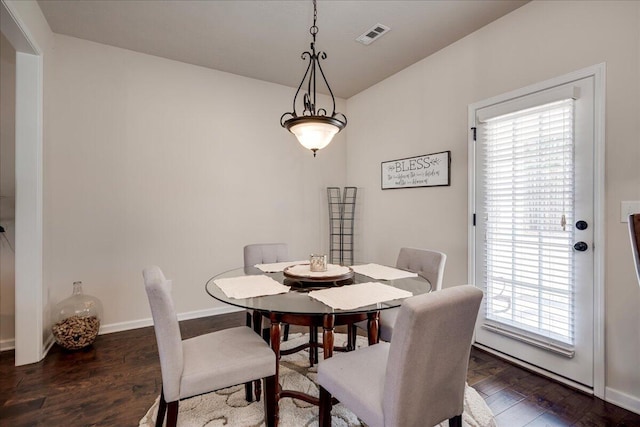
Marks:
<point>429,170</point>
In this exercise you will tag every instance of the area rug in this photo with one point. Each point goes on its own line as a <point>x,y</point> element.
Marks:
<point>228,407</point>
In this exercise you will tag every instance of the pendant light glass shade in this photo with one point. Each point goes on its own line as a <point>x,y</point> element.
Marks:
<point>314,133</point>
<point>314,136</point>
<point>313,127</point>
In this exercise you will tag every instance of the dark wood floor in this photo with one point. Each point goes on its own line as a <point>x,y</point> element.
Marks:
<point>114,382</point>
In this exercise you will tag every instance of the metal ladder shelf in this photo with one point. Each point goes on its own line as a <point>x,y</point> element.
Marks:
<point>342,210</point>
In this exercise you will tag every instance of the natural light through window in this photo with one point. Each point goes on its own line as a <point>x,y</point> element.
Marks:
<point>528,200</point>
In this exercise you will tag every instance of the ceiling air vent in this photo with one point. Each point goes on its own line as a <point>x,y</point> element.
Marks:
<point>372,34</point>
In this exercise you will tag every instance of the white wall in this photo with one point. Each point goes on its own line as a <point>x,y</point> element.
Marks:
<point>151,161</point>
<point>7,191</point>
<point>423,109</point>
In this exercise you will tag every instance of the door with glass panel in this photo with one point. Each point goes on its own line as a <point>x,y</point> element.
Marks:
<point>534,210</point>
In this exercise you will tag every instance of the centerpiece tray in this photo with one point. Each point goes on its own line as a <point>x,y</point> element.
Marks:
<point>303,273</point>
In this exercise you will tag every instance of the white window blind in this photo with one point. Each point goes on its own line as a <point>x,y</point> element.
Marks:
<point>528,204</point>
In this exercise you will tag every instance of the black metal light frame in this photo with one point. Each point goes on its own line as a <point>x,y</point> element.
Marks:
<point>310,114</point>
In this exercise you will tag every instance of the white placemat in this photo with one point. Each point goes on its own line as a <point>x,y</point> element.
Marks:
<point>276,267</point>
<point>250,286</point>
<point>303,270</point>
<point>350,297</point>
<point>382,272</point>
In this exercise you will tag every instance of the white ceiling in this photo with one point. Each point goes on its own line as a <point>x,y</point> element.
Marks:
<point>264,39</point>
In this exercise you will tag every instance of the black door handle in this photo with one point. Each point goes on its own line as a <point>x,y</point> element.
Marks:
<point>581,246</point>
<point>581,225</point>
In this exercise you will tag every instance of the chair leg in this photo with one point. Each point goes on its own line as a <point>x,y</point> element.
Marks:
<point>286,332</point>
<point>455,421</point>
<point>162,409</point>
<point>271,409</point>
<point>248,391</point>
<point>313,331</point>
<point>352,333</point>
<point>313,345</point>
<point>258,388</point>
<point>248,387</point>
<point>324,419</point>
<point>172,414</point>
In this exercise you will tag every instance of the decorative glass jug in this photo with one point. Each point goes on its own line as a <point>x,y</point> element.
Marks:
<point>76,320</point>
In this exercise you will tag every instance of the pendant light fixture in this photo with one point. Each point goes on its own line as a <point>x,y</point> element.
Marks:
<point>313,127</point>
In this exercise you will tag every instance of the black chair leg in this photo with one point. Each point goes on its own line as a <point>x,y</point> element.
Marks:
<point>162,409</point>
<point>455,421</point>
<point>313,331</point>
<point>313,345</point>
<point>248,391</point>
<point>324,419</point>
<point>266,335</point>
<point>248,386</point>
<point>352,333</point>
<point>286,332</point>
<point>172,414</point>
<point>258,388</point>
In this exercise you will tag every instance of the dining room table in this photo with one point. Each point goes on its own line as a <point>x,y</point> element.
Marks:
<point>290,293</point>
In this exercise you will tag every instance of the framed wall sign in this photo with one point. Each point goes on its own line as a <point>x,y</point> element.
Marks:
<point>429,170</point>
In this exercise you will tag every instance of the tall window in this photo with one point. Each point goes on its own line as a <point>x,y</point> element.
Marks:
<point>528,179</point>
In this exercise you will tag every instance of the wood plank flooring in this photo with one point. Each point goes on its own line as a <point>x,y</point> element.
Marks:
<point>116,380</point>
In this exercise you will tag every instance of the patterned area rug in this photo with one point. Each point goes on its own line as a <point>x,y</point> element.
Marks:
<point>228,407</point>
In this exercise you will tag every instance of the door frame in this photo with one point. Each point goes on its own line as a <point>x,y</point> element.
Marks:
<point>598,72</point>
<point>29,284</point>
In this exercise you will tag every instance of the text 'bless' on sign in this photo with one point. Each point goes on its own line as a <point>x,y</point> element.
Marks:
<point>429,170</point>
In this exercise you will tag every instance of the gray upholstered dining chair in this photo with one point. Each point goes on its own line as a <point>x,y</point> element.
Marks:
<point>427,263</point>
<point>263,253</point>
<point>207,362</point>
<point>266,253</point>
<point>419,378</point>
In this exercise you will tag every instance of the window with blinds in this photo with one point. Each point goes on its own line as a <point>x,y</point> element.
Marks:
<point>528,176</point>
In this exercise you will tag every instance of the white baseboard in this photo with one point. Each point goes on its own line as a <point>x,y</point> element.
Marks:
<point>6,345</point>
<point>9,344</point>
<point>47,345</point>
<point>143,323</point>
<point>623,400</point>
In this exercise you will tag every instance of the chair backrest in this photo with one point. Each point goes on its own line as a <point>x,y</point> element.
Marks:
<point>429,264</point>
<point>428,361</point>
<point>167,328</point>
<point>634,233</point>
<point>263,253</point>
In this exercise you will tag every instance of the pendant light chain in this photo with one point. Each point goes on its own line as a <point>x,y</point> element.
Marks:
<point>314,28</point>
<point>308,102</point>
